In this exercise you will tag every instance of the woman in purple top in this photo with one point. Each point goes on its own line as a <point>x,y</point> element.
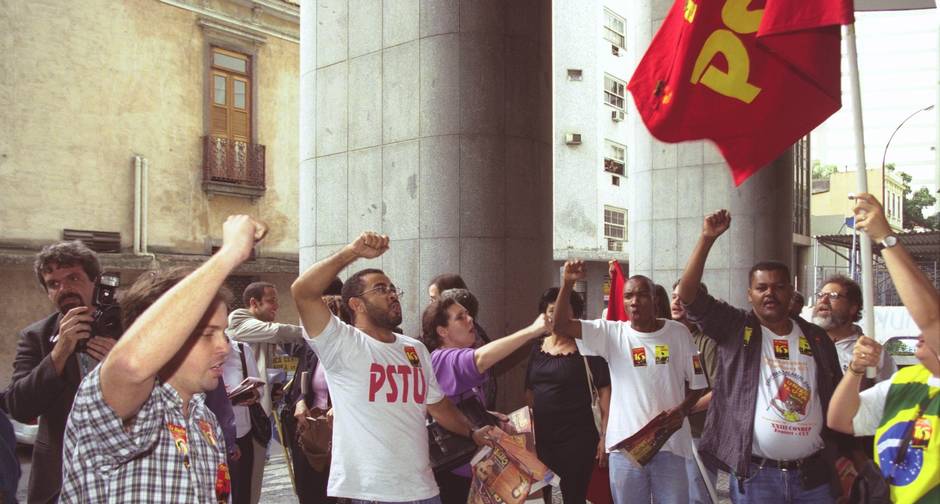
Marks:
<point>448,332</point>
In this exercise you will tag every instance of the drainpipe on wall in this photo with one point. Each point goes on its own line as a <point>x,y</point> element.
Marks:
<point>141,174</point>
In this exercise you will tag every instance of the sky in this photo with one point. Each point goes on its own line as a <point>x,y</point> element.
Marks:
<point>898,65</point>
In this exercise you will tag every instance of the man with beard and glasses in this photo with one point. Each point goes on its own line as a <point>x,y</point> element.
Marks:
<point>838,306</point>
<point>47,369</point>
<point>776,375</point>
<point>381,383</point>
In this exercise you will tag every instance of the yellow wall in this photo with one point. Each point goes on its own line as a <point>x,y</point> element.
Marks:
<point>85,86</point>
<point>92,83</point>
<point>841,184</point>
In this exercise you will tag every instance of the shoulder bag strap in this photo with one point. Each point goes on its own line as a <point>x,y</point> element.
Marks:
<point>241,353</point>
<point>909,435</point>
<point>592,390</point>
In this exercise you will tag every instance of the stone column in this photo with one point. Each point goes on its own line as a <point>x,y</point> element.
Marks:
<point>430,121</point>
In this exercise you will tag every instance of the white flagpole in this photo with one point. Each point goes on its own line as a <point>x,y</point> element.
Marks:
<point>861,185</point>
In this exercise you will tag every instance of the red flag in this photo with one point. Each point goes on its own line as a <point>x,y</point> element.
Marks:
<point>753,76</point>
<point>615,308</point>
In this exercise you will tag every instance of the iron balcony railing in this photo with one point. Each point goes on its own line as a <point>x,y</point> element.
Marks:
<point>232,161</point>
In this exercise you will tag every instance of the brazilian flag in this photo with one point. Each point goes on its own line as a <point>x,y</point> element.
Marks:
<point>917,477</point>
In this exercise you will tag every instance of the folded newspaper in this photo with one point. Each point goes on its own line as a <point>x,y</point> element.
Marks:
<point>243,390</point>
<point>642,446</point>
<point>507,470</point>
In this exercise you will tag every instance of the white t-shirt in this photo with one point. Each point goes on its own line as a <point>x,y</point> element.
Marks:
<point>380,392</point>
<point>788,418</point>
<point>871,407</point>
<point>844,348</point>
<point>648,373</point>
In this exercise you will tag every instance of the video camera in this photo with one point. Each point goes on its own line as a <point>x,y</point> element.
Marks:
<point>106,320</point>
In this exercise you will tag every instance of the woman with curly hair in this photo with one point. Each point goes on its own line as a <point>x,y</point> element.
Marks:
<point>448,332</point>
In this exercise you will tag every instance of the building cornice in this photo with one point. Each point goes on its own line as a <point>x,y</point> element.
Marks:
<point>252,30</point>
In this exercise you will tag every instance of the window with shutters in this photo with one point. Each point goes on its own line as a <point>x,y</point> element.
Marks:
<point>231,95</point>
<point>233,164</point>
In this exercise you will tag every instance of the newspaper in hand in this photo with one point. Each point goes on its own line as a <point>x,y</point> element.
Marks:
<point>642,446</point>
<point>506,472</point>
<point>243,391</point>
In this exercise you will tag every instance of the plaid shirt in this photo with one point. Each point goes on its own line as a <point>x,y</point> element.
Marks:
<point>160,457</point>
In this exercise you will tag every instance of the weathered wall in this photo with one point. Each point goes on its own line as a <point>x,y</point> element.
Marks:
<point>90,84</point>
<point>85,86</point>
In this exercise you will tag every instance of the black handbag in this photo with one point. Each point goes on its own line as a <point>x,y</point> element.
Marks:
<point>449,451</point>
<point>260,423</point>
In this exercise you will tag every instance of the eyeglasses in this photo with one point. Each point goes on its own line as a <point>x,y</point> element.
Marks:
<point>384,290</point>
<point>831,296</point>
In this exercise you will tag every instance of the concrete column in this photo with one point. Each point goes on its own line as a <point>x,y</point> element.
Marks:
<point>676,185</point>
<point>430,121</point>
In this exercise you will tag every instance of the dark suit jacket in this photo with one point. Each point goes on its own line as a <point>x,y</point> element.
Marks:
<point>37,391</point>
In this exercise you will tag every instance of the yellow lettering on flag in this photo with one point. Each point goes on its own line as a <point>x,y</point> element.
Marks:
<point>732,83</point>
<point>690,9</point>
<point>736,16</point>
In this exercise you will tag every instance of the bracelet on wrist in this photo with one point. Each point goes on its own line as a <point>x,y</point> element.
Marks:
<point>856,373</point>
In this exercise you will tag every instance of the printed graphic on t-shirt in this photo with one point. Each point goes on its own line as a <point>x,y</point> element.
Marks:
<point>412,354</point>
<point>792,399</point>
<point>396,381</point>
<point>922,433</point>
<point>782,349</point>
<point>804,347</point>
<point>662,354</point>
<point>697,365</point>
<point>639,357</point>
<point>888,446</point>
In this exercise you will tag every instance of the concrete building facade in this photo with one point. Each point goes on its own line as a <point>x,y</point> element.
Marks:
<point>92,90</point>
<point>445,124</point>
<point>431,122</point>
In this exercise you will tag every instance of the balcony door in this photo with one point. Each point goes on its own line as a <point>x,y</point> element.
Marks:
<point>231,95</point>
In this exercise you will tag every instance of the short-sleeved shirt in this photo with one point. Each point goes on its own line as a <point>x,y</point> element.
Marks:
<point>887,410</point>
<point>457,374</point>
<point>380,392</point>
<point>161,456</point>
<point>648,373</point>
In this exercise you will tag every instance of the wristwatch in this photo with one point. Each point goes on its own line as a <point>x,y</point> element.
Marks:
<point>889,241</point>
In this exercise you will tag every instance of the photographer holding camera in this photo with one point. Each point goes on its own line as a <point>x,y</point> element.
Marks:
<point>53,354</point>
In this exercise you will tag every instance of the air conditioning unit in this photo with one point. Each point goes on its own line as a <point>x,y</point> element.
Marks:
<point>614,50</point>
<point>616,115</point>
<point>573,138</point>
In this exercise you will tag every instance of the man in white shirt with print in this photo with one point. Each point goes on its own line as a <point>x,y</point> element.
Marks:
<point>651,361</point>
<point>381,383</point>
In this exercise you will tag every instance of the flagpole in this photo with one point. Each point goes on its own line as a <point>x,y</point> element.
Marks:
<point>861,185</point>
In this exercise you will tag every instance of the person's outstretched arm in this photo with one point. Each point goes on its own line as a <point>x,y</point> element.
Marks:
<point>129,371</point>
<point>489,354</point>
<point>308,289</point>
<point>845,400</point>
<point>715,224</point>
<point>917,293</point>
<point>563,320</point>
